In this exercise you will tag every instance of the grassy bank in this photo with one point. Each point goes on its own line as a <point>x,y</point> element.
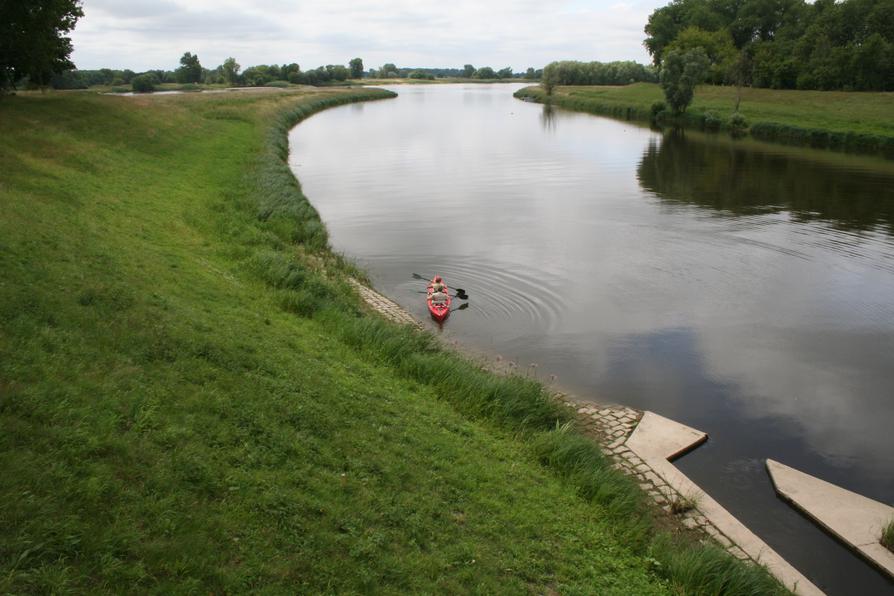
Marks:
<point>825,119</point>
<point>192,398</point>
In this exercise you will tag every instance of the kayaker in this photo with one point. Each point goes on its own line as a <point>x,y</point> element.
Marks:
<point>438,295</point>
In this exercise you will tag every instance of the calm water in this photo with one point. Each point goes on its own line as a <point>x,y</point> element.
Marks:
<point>744,289</point>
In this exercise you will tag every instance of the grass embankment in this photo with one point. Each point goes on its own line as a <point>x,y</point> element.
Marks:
<point>825,119</point>
<point>193,400</point>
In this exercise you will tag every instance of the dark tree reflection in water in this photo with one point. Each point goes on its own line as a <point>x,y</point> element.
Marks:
<point>739,177</point>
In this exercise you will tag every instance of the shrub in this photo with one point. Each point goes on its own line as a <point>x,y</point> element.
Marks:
<point>143,84</point>
<point>737,123</point>
<point>712,121</point>
<point>888,536</point>
<point>280,84</point>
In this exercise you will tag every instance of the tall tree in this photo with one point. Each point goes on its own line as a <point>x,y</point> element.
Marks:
<point>468,71</point>
<point>190,70</point>
<point>230,71</point>
<point>550,78</point>
<point>32,39</point>
<point>718,45</point>
<point>681,71</point>
<point>356,68</point>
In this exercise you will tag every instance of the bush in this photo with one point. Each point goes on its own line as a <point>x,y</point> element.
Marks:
<point>737,123</point>
<point>712,121</point>
<point>279,84</point>
<point>657,110</point>
<point>143,84</point>
<point>887,539</point>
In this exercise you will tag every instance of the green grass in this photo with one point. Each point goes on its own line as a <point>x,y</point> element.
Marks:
<point>887,538</point>
<point>192,398</point>
<point>832,119</point>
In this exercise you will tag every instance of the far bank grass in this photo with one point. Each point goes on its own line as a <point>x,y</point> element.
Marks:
<point>192,399</point>
<point>818,118</point>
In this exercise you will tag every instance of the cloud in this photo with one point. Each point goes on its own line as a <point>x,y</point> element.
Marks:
<point>143,34</point>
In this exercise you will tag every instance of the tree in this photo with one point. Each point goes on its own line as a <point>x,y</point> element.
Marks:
<point>32,40</point>
<point>485,72</point>
<point>718,46</point>
<point>230,71</point>
<point>190,70</point>
<point>388,71</point>
<point>505,73</point>
<point>337,72</point>
<point>680,73</point>
<point>550,78</point>
<point>144,83</point>
<point>530,74</point>
<point>468,71</point>
<point>356,68</point>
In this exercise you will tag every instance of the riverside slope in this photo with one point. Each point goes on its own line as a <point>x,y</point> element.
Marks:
<point>191,399</point>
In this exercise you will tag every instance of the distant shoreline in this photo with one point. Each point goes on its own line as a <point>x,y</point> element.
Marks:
<point>857,122</point>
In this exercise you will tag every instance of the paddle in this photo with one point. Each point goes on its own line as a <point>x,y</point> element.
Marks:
<point>460,293</point>
<point>462,306</point>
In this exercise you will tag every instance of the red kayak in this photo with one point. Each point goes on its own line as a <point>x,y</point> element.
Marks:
<point>438,310</point>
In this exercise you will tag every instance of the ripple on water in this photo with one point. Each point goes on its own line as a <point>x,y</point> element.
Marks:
<point>497,290</point>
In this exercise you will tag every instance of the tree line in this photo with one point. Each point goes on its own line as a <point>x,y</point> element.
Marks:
<point>782,44</point>
<point>230,73</point>
<point>191,71</point>
<point>468,71</point>
<point>572,72</point>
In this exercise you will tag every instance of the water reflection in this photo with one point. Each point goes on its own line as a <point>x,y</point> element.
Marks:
<point>744,177</point>
<point>548,117</point>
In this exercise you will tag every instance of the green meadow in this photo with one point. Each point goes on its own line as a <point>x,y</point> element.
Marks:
<point>193,399</point>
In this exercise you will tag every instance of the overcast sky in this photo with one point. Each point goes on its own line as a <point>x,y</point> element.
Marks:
<point>144,34</point>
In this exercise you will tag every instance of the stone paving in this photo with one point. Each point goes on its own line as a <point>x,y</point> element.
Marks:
<point>610,427</point>
<point>385,307</point>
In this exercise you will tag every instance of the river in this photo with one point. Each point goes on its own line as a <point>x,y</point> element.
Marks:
<point>742,288</point>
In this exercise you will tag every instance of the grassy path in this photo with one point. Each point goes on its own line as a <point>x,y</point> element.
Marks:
<point>858,121</point>
<point>192,401</point>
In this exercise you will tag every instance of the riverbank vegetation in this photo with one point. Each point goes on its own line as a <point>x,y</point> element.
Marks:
<point>194,400</point>
<point>823,119</point>
<point>887,538</point>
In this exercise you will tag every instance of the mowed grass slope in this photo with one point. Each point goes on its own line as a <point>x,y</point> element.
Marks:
<point>168,426</point>
<point>192,398</point>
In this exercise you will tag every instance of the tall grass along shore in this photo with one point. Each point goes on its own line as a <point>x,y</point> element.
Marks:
<point>193,398</point>
<point>839,120</point>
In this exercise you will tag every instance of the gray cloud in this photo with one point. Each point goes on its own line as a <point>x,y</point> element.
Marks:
<point>142,34</point>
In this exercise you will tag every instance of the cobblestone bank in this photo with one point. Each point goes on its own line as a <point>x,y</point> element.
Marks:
<point>610,427</point>
<point>385,307</point>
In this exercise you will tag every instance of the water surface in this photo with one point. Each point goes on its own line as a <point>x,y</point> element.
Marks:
<point>742,288</point>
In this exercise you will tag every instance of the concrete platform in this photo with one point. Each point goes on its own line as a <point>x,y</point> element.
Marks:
<point>657,440</point>
<point>854,519</point>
